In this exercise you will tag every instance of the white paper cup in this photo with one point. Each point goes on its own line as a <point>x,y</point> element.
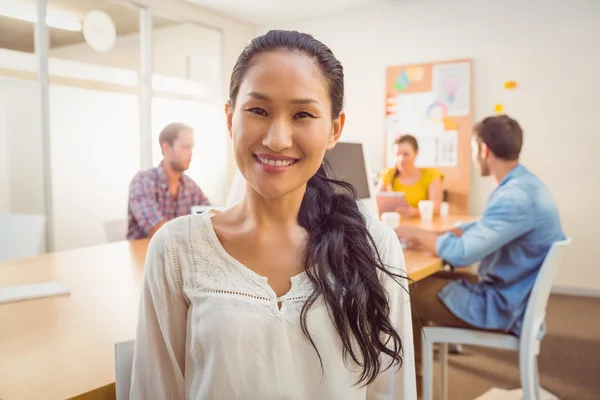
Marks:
<point>444,209</point>
<point>426,210</point>
<point>391,219</point>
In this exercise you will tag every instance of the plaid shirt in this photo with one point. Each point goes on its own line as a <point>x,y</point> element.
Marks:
<point>151,202</point>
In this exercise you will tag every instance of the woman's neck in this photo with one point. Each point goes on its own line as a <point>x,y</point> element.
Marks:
<point>265,212</point>
<point>409,172</point>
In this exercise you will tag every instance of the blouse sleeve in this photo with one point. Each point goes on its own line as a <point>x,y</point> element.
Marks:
<point>434,174</point>
<point>386,176</point>
<point>395,383</point>
<point>159,355</point>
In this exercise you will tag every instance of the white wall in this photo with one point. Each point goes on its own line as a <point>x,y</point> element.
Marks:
<point>552,50</point>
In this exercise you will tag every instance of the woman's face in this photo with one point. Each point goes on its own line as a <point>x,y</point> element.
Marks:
<point>281,125</point>
<point>405,156</point>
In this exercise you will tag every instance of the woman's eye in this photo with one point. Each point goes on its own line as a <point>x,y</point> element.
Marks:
<point>303,114</point>
<point>257,111</point>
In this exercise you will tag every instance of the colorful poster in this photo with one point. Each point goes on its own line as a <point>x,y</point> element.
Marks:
<point>451,87</point>
<point>421,116</point>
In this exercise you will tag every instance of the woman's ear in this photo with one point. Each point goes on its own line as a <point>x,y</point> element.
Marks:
<point>336,130</point>
<point>229,117</point>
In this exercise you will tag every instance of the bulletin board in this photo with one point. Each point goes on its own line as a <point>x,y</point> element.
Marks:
<point>433,102</point>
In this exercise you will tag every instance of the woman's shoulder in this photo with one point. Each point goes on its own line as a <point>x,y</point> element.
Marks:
<point>382,234</point>
<point>180,227</point>
<point>387,174</point>
<point>185,236</point>
<point>388,171</point>
<point>430,174</point>
<point>388,247</point>
<point>180,247</point>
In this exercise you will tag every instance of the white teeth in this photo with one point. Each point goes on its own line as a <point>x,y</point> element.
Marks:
<point>278,163</point>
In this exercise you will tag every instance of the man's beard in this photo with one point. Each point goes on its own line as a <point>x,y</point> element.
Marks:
<point>177,166</point>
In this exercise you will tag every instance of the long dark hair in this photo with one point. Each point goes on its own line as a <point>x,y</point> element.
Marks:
<point>340,256</point>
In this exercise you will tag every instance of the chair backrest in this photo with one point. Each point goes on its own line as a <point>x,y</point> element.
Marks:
<point>538,299</point>
<point>21,236</point>
<point>115,231</point>
<point>123,367</point>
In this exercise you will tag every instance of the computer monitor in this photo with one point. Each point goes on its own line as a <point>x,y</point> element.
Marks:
<point>348,162</point>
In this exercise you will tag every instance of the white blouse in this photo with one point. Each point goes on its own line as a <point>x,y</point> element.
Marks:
<point>211,328</point>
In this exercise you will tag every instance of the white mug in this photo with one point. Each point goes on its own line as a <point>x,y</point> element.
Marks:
<point>444,209</point>
<point>426,210</point>
<point>391,219</point>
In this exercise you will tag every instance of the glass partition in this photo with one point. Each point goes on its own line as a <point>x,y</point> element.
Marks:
<point>22,181</point>
<point>100,122</point>
<point>94,119</point>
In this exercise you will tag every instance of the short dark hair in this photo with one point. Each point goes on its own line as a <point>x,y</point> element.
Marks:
<point>170,132</point>
<point>410,139</point>
<point>502,134</point>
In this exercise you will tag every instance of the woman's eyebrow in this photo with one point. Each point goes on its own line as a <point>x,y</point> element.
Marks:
<point>264,97</point>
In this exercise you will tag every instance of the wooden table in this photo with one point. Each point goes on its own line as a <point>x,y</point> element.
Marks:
<point>63,347</point>
<point>425,263</point>
<point>439,224</point>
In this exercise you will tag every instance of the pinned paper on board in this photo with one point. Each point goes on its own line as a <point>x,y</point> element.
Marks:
<point>408,75</point>
<point>451,86</point>
<point>447,149</point>
<point>450,124</point>
<point>420,115</point>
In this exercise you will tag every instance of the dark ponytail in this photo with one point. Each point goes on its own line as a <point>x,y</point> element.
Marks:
<point>341,247</point>
<point>340,256</point>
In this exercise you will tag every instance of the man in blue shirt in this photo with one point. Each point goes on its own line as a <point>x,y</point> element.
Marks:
<point>510,241</point>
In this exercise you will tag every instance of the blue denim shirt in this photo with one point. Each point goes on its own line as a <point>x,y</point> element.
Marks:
<point>511,240</point>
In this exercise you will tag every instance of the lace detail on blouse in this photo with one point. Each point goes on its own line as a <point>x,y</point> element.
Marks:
<point>214,270</point>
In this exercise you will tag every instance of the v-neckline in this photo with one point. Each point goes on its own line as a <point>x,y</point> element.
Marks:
<point>295,280</point>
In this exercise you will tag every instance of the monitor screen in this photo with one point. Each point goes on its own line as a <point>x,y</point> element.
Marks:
<point>347,163</point>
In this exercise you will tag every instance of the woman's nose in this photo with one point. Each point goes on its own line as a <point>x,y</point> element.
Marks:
<point>279,136</point>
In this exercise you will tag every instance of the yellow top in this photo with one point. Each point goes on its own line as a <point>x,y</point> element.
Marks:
<point>416,192</point>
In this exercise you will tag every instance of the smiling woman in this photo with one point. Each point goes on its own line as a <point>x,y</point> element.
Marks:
<point>291,293</point>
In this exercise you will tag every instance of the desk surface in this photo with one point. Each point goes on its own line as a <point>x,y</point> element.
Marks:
<point>64,346</point>
<point>438,224</point>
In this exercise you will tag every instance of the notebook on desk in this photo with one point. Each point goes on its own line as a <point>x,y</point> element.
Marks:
<point>32,291</point>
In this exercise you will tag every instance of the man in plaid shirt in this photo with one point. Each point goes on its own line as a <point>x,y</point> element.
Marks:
<point>165,192</point>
